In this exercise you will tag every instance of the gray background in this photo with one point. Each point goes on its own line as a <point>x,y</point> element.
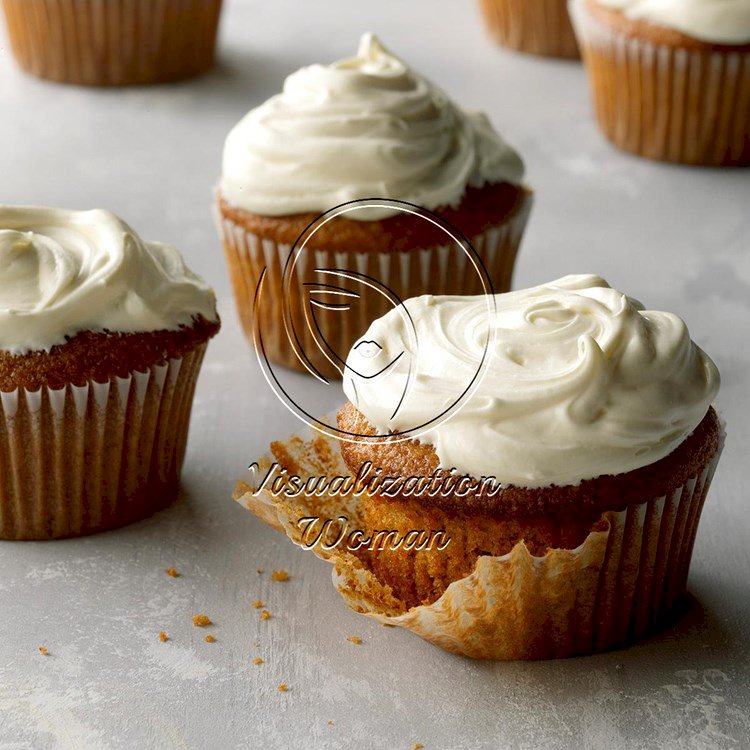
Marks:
<point>676,238</point>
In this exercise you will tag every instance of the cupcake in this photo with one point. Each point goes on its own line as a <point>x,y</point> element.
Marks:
<point>670,79</point>
<point>591,415</point>
<point>102,336</point>
<point>540,27</point>
<point>359,130</point>
<point>113,42</point>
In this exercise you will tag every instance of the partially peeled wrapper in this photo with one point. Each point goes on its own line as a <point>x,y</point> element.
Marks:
<point>615,586</point>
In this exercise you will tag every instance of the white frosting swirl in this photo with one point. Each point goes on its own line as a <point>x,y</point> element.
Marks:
<point>62,272</point>
<point>717,21</point>
<point>366,127</point>
<point>580,381</point>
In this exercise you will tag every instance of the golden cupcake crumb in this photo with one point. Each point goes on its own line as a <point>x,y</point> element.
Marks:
<point>200,621</point>
<point>209,639</point>
<point>417,746</point>
<point>163,637</point>
<point>283,687</point>
<point>257,604</point>
<point>257,660</point>
<point>260,571</point>
<point>43,651</point>
<point>265,615</point>
<point>354,639</point>
<point>330,723</point>
<point>172,572</point>
<point>280,575</point>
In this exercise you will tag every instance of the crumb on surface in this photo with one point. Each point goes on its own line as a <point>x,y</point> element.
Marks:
<point>257,604</point>
<point>330,723</point>
<point>265,615</point>
<point>209,639</point>
<point>283,687</point>
<point>255,644</point>
<point>257,660</point>
<point>172,572</point>
<point>259,571</point>
<point>355,639</point>
<point>200,621</point>
<point>163,637</point>
<point>280,575</point>
<point>43,651</point>
<point>417,746</point>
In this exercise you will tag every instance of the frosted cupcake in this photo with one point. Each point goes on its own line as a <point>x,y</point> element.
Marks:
<point>540,27</point>
<point>113,42</point>
<point>592,416</point>
<point>670,79</point>
<point>101,339</point>
<point>363,128</point>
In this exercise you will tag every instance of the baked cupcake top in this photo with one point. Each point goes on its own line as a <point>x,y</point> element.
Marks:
<point>364,127</point>
<point>555,384</point>
<point>62,272</point>
<point>716,21</point>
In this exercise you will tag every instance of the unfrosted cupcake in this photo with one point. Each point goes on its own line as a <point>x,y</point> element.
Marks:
<point>670,79</point>
<point>540,27</point>
<point>363,128</point>
<point>113,42</point>
<point>591,415</point>
<point>101,339</point>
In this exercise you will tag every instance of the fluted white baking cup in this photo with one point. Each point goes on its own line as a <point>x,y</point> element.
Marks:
<point>666,102</point>
<point>444,269</point>
<point>80,459</point>
<point>539,27</point>
<point>617,585</point>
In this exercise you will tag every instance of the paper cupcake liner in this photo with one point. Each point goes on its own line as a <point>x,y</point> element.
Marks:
<point>667,102</point>
<point>617,585</point>
<point>81,459</point>
<point>113,42</point>
<point>434,270</point>
<point>539,27</point>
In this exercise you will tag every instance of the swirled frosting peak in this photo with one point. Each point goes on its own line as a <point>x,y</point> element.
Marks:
<point>717,21</point>
<point>578,381</point>
<point>364,127</point>
<point>62,272</point>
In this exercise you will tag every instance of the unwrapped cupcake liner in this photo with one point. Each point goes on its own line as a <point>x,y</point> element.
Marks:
<point>113,42</point>
<point>663,101</point>
<point>539,27</point>
<point>617,585</point>
<point>435,270</point>
<point>80,459</point>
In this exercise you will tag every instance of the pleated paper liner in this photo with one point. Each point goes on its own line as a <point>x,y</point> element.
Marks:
<point>113,42</point>
<point>539,27</point>
<point>664,101</point>
<point>618,584</point>
<point>434,270</point>
<point>81,459</point>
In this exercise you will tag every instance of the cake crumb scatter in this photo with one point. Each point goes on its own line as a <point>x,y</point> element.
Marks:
<point>210,639</point>
<point>280,575</point>
<point>283,687</point>
<point>417,746</point>
<point>265,615</point>
<point>355,639</point>
<point>260,571</point>
<point>330,723</point>
<point>200,621</point>
<point>257,604</point>
<point>163,637</point>
<point>257,660</point>
<point>172,572</point>
<point>43,651</point>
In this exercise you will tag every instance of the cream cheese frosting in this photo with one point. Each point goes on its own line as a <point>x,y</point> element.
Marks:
<point>579,381</point>
<point>62,272</point>
<point>717,21</point>
<point>364,127</point>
